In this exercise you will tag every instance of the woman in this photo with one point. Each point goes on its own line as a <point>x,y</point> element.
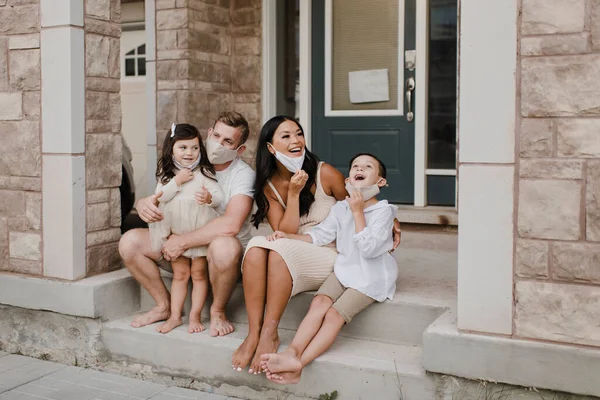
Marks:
<point>294,192</point>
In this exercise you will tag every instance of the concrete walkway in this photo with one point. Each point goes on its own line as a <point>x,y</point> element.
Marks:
<point>24,378</point>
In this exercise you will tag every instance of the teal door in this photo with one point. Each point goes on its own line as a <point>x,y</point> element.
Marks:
<point>361,90</point>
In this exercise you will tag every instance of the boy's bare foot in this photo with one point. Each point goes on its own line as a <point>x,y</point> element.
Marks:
<point>169,325</point>
<point>219,324</point>
<point>195,326</point>
<point>268,343</point>
<point>286,361</point>
<point>152,316</point>
<point>242,356</point>
<point>285,378</point>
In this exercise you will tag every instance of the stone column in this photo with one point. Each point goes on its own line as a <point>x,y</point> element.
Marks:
<point>20,152</point>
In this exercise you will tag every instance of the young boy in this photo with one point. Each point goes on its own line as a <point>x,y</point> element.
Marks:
<point>364,270</point>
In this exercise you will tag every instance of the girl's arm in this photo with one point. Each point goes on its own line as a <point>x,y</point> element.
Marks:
<point>169,191</point>
<point>215,192</point>
<point>375,239</point>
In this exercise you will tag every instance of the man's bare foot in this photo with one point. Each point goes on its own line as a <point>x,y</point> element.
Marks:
<point>169,325</point>
<point>268,343</point>
<point>152,316</point>
<point>285,378</point>
<point>195,326</point>
<point>242,356</point>
<point>286,361</point>
<point>219,324</point>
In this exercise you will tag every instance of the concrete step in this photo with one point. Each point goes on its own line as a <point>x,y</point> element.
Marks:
<point>402,320</point>
<point>355,368</point>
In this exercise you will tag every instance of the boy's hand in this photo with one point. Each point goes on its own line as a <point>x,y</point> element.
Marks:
<point>203,196</point>
<point>396,234</point>
<point>276,235</point>
<point>356,202</point>
<point>183,176</point>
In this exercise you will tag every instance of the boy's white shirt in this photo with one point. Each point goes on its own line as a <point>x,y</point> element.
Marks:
<point>364,262</point>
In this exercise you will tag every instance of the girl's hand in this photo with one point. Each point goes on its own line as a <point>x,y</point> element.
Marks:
<point>203,196</point>
<point>297,182</point>
<point>276,235</point>
<point>183,176</point>
<point>356,202</point>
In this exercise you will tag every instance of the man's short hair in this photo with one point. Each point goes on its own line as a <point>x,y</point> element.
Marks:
<point>235,120</point>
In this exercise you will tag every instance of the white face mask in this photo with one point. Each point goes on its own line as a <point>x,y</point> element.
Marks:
<point>191,167</point>
<point>367,192</point>
<point>292,164</point>
<point>219,154</point>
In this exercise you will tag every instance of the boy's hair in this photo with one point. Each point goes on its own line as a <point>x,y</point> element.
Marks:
<point>235,120</point>
<point>382,169</point>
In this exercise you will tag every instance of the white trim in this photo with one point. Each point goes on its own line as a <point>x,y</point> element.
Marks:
<point>269,59</point>
<point>421,101</point>
<point>150,95</point>
<point>441,172</point>
<point>328,67</point>
<point>305,68</point>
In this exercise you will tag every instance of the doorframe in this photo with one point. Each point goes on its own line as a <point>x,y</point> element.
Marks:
<point>269,37</point>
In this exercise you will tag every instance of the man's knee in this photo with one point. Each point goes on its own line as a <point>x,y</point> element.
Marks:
<point>224,253</point>
<point>131,244</point>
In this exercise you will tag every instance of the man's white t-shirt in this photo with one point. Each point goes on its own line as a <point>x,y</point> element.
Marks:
<point>237,178</point>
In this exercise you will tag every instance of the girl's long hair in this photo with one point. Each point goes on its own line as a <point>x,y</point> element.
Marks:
<point>165,168</point>
<point>266,164</point>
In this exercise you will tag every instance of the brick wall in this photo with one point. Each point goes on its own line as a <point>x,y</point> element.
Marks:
<point>20,152</point>
<point>558,246</point>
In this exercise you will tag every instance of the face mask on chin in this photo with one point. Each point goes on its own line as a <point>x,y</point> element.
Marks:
<point>219,154</point>
<point>191,166</point>
<point>292,164</point>
<point>367,191</point>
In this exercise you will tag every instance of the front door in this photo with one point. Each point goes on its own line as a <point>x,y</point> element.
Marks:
<point>363,87</point>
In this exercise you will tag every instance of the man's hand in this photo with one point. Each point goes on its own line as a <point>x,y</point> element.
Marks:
<point>356,202</point>
<point>276,235</point>
<point>203,196</point>
<point>173,248</point>
<point>297,182</point>
<point>183,176</point>
<point>147,208</point>
<point>397,234</point>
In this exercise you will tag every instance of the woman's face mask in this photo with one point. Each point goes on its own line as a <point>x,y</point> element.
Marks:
<point>292,164</point>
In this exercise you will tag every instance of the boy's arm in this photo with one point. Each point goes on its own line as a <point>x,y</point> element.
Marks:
<point>375,239</point>
<point>326,231</point>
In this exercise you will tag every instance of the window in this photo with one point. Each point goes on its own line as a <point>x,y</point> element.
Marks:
<point>135,61</point>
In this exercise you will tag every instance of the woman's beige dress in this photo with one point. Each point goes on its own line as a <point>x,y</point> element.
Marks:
<point>309,265</point>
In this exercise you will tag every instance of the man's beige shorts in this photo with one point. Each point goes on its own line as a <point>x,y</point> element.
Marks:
<point>347,301</point>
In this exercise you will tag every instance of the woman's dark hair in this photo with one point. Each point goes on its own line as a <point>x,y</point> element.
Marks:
<point>382,168</point>
<point>165,168</point>
<point>266,164</point>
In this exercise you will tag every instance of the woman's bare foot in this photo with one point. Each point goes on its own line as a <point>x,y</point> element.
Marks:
<point>286,361</point>
<point>242,356</point>
<point>219,324</point>
<point>195,326</point>
<point>169,325</point>
<point>152,316</point>
<point>268,343</point>
<point>285,378</point>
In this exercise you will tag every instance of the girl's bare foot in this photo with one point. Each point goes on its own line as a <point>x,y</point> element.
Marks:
<point>285,378</point>
<point>195,326</point>
<point>219,324</point>
<point>169,325</point>
<point>268,343</point>
<point>242,356</point>
<point>152,316</point>
<point>286,361</point>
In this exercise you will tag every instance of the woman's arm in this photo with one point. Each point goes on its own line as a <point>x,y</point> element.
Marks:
<point>283,219</point>
<point>333,182</point>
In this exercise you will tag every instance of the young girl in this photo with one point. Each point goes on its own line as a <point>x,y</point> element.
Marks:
<point>182,171</point>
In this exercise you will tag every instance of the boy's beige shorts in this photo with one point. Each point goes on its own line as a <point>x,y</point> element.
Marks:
<point>347,301</point>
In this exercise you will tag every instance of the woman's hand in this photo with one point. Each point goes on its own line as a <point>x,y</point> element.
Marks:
<point>203,196</point>
<point>147,208</point>
<point>297,182</point>
<point>183,176</point>
<point>356,202</point>
<point>276,235</point>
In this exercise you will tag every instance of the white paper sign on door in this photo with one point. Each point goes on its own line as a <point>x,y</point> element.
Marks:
<point>369,86</point>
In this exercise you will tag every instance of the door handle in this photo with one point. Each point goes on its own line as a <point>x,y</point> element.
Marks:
<point>410,87</point>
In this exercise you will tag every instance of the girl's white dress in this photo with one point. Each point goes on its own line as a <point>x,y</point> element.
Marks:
<point>181,212</point>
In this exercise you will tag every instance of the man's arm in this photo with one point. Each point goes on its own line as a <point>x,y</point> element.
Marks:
<point>228,224</point>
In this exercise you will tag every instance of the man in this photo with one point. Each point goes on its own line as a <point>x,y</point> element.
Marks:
<point>226,236</point>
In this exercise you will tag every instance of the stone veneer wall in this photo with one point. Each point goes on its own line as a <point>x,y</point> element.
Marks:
<point>207,61</point>
<point>20,152</point>
<point>103,133</point>
<point>558,245</point>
